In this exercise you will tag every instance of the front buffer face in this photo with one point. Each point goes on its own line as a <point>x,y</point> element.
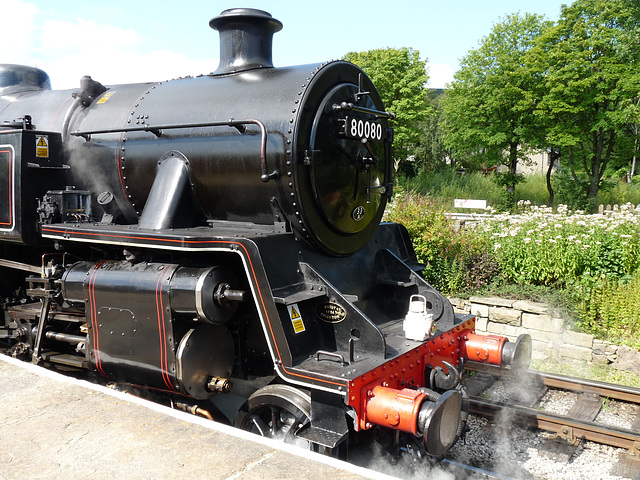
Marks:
<point>396,396</point>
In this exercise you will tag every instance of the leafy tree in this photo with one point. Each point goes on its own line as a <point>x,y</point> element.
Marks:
<point>400,77</point>
<point>591,67</point>
<point>488,108</point>
<point>431,154</point>
<point>632,112</point>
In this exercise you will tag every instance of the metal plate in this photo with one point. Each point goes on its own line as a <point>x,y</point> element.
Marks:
<point>204,352</point>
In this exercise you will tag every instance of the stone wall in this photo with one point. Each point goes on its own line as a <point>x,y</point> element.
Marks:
<point>550,335</point>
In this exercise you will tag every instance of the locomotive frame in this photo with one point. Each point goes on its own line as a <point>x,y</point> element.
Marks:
<point>234,250</point>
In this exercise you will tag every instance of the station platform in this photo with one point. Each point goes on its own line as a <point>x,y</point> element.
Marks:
<point>56,427</point>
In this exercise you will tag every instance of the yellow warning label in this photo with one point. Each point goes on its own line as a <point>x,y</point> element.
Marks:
<point>42,146</point>
<point>296,318</point>
<point>105,97</point>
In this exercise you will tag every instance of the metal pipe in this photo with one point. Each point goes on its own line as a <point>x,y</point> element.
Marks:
<point>65,337</point>
<point>194,410</point>
<point>20,266</point>
<point>157,130</point>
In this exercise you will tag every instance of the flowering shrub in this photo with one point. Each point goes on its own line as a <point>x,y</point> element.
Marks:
<point>593,258</point>
<point>545,248</point>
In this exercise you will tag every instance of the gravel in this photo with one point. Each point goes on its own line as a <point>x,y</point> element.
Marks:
<point>520,453</point>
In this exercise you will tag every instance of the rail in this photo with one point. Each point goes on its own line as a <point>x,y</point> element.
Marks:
<point>568,429</point>
<point>239,125</point>
<point>571,430</point>
<point>565,382</point>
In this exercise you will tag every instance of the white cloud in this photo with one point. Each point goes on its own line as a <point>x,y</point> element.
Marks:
<point>68,48</point>
<point>440,75</point>
<point>125,67</point>
<point>18,31</point>
<point>86,36</point>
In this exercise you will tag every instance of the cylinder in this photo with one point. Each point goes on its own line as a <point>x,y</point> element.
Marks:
<point>484,348</point>
<point>397,409</point>
<point>497,350</point>
<point>245,39</point>
<point>204,293</point>
<point>199,291</point>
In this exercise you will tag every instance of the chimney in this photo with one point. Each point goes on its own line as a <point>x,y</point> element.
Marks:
<point>246,36</point>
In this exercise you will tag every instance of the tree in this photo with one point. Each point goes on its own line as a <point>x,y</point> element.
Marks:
<point>591,71</point>
<point>431,153</point>
<point>400,77</point>
<point>632,112</point>
<point>488,108</point>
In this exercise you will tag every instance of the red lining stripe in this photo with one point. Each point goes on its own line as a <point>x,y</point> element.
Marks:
<point>94,318</point>
<point>11,193</point>
<point>162,334</point>
<point>54,120</point>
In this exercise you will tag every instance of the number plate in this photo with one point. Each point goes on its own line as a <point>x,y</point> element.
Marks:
<point>360,128</point>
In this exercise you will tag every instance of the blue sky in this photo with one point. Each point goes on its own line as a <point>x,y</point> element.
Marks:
<point>120,41</point>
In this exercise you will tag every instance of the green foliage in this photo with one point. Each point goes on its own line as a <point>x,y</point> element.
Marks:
<point>400,77</point>
<point>571,191</point>
<point>431,154</point>
<point>445,253</point>
<point>590,66</point>
<point>609,308</point>
<point>562,249</point>
<point>621,193</point>
<point>506,202</point>
<point>445,185</point>
<point>488,109</point>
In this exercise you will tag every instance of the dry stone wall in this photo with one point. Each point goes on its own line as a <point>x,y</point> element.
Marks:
<point>551,336</point>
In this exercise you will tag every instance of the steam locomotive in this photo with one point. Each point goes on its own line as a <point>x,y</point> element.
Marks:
<point>218,237</point>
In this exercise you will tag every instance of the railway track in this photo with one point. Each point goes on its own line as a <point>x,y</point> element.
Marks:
<point>569,430</point>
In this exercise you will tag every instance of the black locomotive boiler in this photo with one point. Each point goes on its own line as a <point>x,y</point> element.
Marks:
<point>221,234</point>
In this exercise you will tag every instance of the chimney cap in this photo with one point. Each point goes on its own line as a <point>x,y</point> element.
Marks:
<point>247,15</point>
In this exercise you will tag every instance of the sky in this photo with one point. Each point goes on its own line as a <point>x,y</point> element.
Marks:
<point>127,41</point>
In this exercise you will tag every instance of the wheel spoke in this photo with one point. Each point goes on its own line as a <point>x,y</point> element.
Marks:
<point>276,411</point>
<point>275,420</point>
<point>261,427</point>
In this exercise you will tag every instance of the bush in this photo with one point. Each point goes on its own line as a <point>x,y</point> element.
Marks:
<point>571,192</point>
<point>542,248</point>
<point>609,308</point>
<point>586,264</point>
<point>445,253</point>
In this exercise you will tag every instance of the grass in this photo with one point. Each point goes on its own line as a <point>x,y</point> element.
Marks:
<point>443,187</point>
<point>601,373</point>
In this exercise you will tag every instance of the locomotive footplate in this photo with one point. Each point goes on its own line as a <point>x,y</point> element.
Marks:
<point>324,325</point>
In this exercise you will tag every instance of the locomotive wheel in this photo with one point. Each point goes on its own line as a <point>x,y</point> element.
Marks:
<point>275,411</point>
